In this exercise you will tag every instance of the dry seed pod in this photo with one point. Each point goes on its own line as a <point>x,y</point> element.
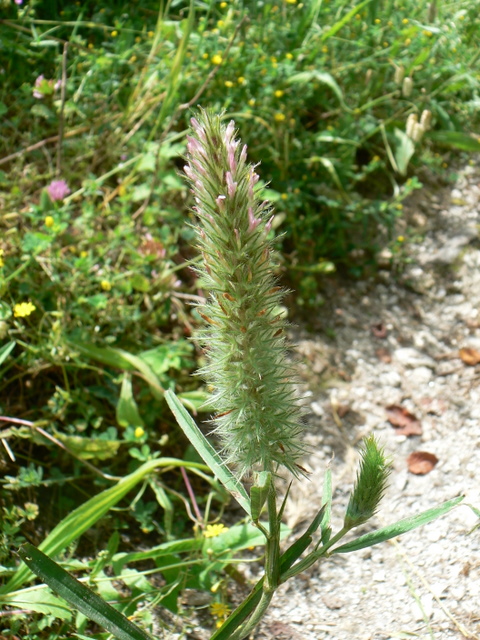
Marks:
<point>407,87</point>
<point>399,74</point>
<point>412,120</point>
<point>426,119</point>
<point>418,131</point>
<point>432,11</point>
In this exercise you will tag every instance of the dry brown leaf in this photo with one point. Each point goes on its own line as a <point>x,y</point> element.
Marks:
<point>470,356</point>
<point>404,422</point>
<point>379,330</point>
<point>421,462</point>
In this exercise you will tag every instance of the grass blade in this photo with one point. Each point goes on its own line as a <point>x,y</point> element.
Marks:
<point>327,503</point>
<point>397,529</point>
<point>80,596</point>
<point>6,350</point>
<point>346,18</point>
<point>207,452</point>
<point>85,516</point>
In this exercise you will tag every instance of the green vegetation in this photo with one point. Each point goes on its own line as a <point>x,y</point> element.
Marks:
<point>96,265</point>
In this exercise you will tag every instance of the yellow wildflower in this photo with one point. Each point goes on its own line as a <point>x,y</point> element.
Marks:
<point>23,309</point>
<point>205,55</point>
<point>405,21</point>
<point>122,190</point>
<point>385,44</point>
<point>376,159</point>
<point>241,80</point>
<point>358,17</point>
<point>429,34</point>
<point>228,84</point>
<point>223,5</point>
<point>279,117</point>
<point>49,221</point>
<point>90,45</point>
<point>284,196</point>
<point>273,59</point>
<point>150,34</point>
<point>219,610</point>
<point>377,21</point>
<point>291,1</point>
<point>400,239</point>
<point>217,59</point>
<point>289,56</point>
<point>325,49</point>
<point>139,431</point>
<point>106,285</point>
<point>83,254</point>
<point>278,93</point>
<point>1,259</point>
<point>214,530</point>
<point>251,102</point>
<point>408,41</point>
<point>114,33</point>
<point>138,39</point>
<point>220,23</point>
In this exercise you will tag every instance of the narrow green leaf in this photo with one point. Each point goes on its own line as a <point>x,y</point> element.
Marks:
<point>346,18</point>
<point>330,167</point>
<point>80,596</point>
<point>207,452</point>
<point>120,359</point>
<point>85,516</point>
<point>327,503</point>
<point>166,504</point>
<point>259,493</point>
<point>127,410</point>
<point>6,350</point>
<point>307,77</point>
<point>104,559</point>
<point>397,529</point>
<point>456,140</point>
<point>39,599</point>
<point>165,549</point>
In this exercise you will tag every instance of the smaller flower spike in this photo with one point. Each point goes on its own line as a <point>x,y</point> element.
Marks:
<point>256,415</point>
<point>370,485</point>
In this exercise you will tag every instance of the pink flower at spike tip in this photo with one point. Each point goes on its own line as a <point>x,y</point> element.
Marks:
<point>18,1</point>
<point>58,189</point>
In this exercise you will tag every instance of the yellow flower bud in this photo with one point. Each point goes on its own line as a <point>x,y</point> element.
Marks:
<point>49,221</point>
<point>106,285</point>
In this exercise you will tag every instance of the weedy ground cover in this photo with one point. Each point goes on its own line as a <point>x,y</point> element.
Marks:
<point>96,275</point>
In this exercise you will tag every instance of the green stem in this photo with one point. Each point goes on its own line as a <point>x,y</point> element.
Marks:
<point>254,607</point>
<point>255,618</point>
<point>272,548</point>
<point>311,558</point>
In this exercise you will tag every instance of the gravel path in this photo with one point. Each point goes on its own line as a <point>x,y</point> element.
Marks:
<point>381,343</point>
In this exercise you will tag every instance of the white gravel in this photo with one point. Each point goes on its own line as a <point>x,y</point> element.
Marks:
<point>425,584</point>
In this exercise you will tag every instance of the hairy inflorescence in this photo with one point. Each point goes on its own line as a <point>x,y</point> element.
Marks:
<point>257,418</point>
<point>370,485</point>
